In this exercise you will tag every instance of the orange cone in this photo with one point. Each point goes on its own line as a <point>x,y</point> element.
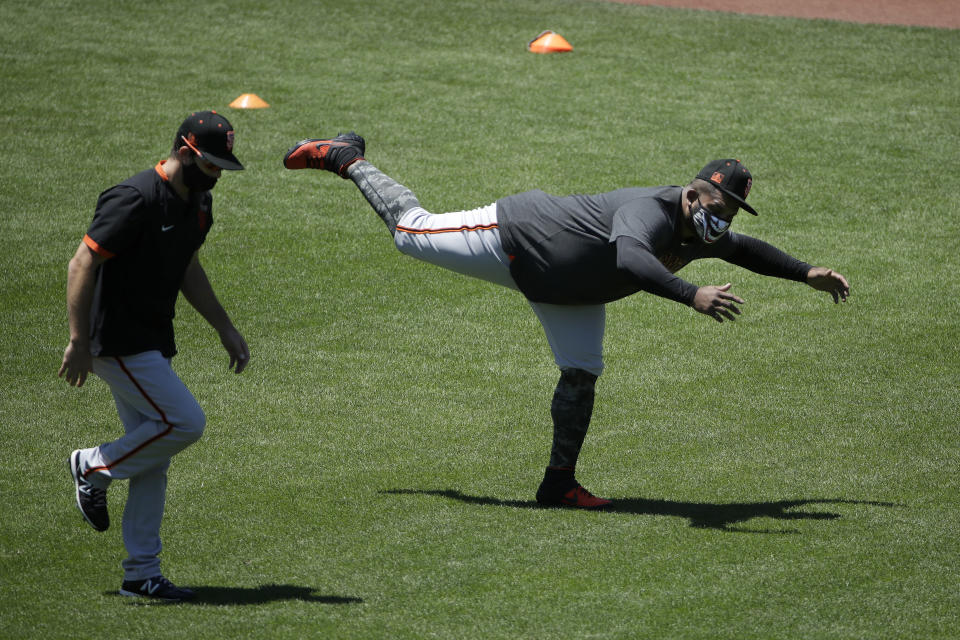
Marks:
<point>549,42</point>
<point>249,101</point>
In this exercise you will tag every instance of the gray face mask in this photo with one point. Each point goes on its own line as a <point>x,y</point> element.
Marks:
<point>196,180</point>
<point>709,227</point>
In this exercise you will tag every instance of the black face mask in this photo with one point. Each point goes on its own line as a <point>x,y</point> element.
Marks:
<point>196,180</point>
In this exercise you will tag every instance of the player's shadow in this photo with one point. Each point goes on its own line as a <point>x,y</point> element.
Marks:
<point>264,594</point>
<point>700,515</point>
<point>258,595</point>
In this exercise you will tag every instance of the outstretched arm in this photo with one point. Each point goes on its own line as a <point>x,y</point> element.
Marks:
<point>764,258</point>
<point>716,302</point>
<point>199,293</point>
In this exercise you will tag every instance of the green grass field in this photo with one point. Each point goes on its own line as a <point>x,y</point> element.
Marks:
<point>371,475</point>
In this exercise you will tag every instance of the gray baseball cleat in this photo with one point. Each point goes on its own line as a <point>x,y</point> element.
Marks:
<point>156,588</point>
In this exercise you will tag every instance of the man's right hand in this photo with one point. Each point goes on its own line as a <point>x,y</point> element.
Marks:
<point>717,302</point>
<point>77,363</point>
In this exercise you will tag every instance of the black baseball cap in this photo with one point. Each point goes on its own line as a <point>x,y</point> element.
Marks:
<point>732,178</point>
<point>211,136</point>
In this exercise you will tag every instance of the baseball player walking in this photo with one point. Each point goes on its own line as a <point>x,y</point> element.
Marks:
<point>570,256</point>
<point>139,252</point>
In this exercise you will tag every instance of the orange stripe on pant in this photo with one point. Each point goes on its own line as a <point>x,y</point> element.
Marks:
<point>482,227</point>
<point>466,242</point>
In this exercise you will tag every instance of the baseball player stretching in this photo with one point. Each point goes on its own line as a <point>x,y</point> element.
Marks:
<point>570,256</point>
<point>139,252</point>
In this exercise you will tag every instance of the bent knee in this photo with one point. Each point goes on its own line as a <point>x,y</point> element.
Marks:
<point>192,423</point>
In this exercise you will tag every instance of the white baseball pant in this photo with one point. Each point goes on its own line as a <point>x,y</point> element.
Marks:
<point>468,242</point>
<point>161,418</point>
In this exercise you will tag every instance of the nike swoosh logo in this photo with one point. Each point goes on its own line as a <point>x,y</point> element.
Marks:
<point>167,228</point>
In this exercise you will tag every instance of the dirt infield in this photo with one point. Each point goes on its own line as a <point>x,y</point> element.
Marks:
<point>944,14</point>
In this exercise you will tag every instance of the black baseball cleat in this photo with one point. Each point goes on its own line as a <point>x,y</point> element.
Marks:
<point>156,588</point>
<point>576,498</point>
<point>334,154</point>
<point>91,501</point>
<point>561,489</point>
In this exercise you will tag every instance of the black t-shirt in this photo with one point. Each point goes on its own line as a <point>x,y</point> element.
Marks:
<point>594,249</point>
<point>149,235</point>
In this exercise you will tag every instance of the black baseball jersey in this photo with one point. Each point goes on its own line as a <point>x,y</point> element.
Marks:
<point>149,235</point>
<point>593,249</point>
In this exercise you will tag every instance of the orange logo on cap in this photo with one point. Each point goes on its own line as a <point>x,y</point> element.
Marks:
<point>191,141</point>
<point>717,177</point>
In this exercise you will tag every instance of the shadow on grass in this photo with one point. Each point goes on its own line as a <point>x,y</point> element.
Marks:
<point>255,595</point>
<point>264,594</point>
<point>701,515</point>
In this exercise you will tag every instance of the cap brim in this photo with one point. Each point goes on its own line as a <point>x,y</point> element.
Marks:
<point>740,201</point>
<point>230,163</point>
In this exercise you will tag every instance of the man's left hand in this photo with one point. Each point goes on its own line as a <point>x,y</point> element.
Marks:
<point>236,346</point>
<point>828,280</point>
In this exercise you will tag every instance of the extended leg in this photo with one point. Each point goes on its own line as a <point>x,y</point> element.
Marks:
<point>343,155</point>
<point>390,199</point>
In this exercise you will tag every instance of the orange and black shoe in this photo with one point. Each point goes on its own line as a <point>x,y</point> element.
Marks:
<point>333,154</point>
<point>560,489</point>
